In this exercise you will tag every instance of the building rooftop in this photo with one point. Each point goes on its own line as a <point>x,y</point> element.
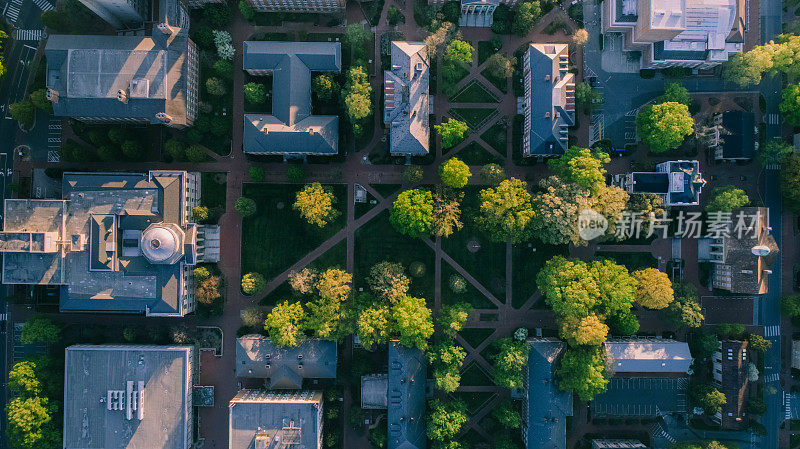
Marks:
<point>679,183</point>
<point>737,135</point>
<point>550,105</point>
<point>131,396</point>
<point>641,397</point>
<point>275,420</point>
<point>291,129</point>
<point>546,406</point>
<point>406,397</point>
<point>406,101</point>
<point>122,76</point>
<point>375,391</point>
<point>648,356</point>
<point>117,242</point>
<point>732,360</point>
<point>286,367</point>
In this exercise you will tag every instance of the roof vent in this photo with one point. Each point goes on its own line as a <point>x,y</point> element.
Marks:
<point>164,117</point>
<point>52,95</point>
<point>164,28</point>
<point>122,95</point>
<point>547,77</point>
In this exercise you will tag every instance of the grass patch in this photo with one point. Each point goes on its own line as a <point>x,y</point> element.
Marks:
<point>280,294</point>
<point>475,117</point>
<point>377,241</point>
<point>475,400</point>
<point>363,208</point>
<point>475,154</point>
<point>474,92</point>
<point>487,264</point>
<point>474,376</point>
<point>471,296</point>
<point>213,189</point>
<point>485,50</point>
<point>526,263</point>
<point>496,137</point>
<point>634,261</point>
<point>472,439</point>
<point>385,190</point>
<point>475,335</point>
<point>500,83</point>
<point>334,257</point>
<point>276,237</point>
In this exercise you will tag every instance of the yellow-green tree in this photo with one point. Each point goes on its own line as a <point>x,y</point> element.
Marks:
<point>316,204</point>
<point>653,288</point>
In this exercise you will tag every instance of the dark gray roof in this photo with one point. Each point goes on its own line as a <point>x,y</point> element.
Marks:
<point>95,375</point>
<point>741,270</point>
<point>406,105</point>
<point>86,72</point>
<point>289,419</point>
<point>552,99</point>
<point>104,268</point>
<point>547,405</point>
<point>286,367</point>
<point>642,397</point>
<point>648,356</point>
<point>737,135</point>
<point>291,129</point>
<point>406,397</point>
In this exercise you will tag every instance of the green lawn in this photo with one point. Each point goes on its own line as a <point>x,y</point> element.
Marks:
<point>471,296</point>
<point>280,294</point>
<point>276,237</point>
<point>526,263</point>
<point>485,50</point>
<point>385,189</point>
<point>213,189</point>
<point>634,261</point>
<point>377,241</point>
<point>475,335</point>
<point>334,257</point>
<point>473,375</point>
<point>474,92</point>
<point>475,117</point>
<point>500,83</point>
<point>475,154</point>
<point>363,208</point>
<point>496,136</point>
<point>488,264</point>
<point>474,400</point>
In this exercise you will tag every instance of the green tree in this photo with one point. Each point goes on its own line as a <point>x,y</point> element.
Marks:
<point>296,174</point>
<point>255,93</point>
<point>664,126</point>
<point>39,329</point>
<point>108,153</point>
<point>727,199</point>
<point>568,286</point>
<point>23,379</point>
<point>284,324</point>
<point>446,418</point>
<point>493,174</point>
<point>685,312</point>
<point>454,173</point>
<point>446,357</point>
<point>617,286</point>
<point>196,153</point>
<point>30,423</point>
<point>256,174</point>
<point>790,181</point>
<point>708,398</point>
<point>509,360</point>
<point>747,68</point>
<point>505,212</point>
<point>323,318</point>
<point>394,16</point>
<point>412,213</point>
<point>756,406</point>
<point>24,112</point>
<point>583,371</point>
<point>623,323</point>
<point>253,283</point>
<point>215,87</point>
<point>334,284</point>
<point>413,322</point>
<point>458,52</point>
<point>200,213</point>
<point>790,104</point>
<point>325,88</point>
<point>704,344</point>
<point>587,98</point>
<point>526,15</point>
<point>223,68</point>
<point>758,343</point>
<point>245,206</point>
<point>175,149</point>
<point>501,66</point>
<point>253,317</point>
<point>585,331</point>
<point>774,152</point>
<point>201,273</point>
<point>132,150</point>
<point>388,280</point>
<point>412,175</point>
<point>507,414</point>
<point>316,204</point>
<point>373,326</point>
<point>452,132</point>
<point>581,166</point>
<point>356,35</point>
<point>54,20</point>
<point>39,99</point>
<point>653,288</point>
<point>247,10</point>
<point>217,14</point>
<point>357,94</point>
<point>451,318</point>
<point>675,92</point>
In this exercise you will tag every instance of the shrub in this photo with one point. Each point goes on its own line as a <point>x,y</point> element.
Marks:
<point>245,206</point>
<point>23,112</point>
<point>196,153</point>
<point>132,150</point>
<point>257,174</point>
<point>246,9</point>
<point>174,149</point>
<point>458,284</point>
<point>296,174</point>
<point>253,283</point>
<point>255,93</point>
<point>201,273</point>
<point>200,213</point>
<point>215,87</point>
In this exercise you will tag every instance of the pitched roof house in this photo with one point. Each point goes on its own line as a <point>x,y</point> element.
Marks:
<point>285,367</point>
<point>545,407</point>
<point>406,100</point>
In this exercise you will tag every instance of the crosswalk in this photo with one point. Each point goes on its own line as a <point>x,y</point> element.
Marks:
<point>773,166</point>
<point>12,13</point>
<point>44,5</point>
<point>3,317</point>
<point>773,119</point>
<point>787,403</point>
<point>772,377</point>
<point>53,140</point>
<point>772,331</point>
<point>28,35</point>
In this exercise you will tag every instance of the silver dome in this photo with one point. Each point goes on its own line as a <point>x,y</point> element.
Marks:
<point>162,243</point>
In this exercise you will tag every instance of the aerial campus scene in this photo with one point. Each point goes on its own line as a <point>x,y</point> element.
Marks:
<point>400,224</point>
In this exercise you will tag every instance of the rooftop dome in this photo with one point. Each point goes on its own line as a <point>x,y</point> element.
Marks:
<point>162,243</point>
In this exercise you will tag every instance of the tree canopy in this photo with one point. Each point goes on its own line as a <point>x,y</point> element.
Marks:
<point>388,280</point>
<point>253,283</point>
<point>790,104</point>
<point>675,92</point>
<point>245,206</point>
<point>774,152</point>
<point>589,330</point>
<point>587,98</point>
<point>452,132</point>
<point>373,326</point>
<point>446,212</point>
<point>790,181</point>
<point>412,213</point>
<point>445,358</point>
<point>526,15</point>
<point>505,212</point>
<point>454,173</point>
<point>653,288</point>
<point>413,322</point>
<point>664,126</point>
<point>316,204</point>
<point>583,371</point>
<point>727,199</point>
<point>581,166</point>
<point>510,359</point>
<point>39,329</point>
<point>284,324</point>
<point>459,52</point>
<point>446,418</point>
<point>255,93</point>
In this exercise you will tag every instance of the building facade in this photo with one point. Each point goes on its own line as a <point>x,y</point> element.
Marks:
<point>549,100</point>
<point>406,103</point>
<point>120,14</point>
<point>260,419</point>
<point>116,242</point>
<point>696,34</point>
<point>678,183</point>
<point>128,396</point>
<point>304,6</point>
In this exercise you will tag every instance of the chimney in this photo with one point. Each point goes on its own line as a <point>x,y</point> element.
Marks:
<point>164,28</point>
<point>164,117</point>
<point>122,95</point>
<point>52,95</point>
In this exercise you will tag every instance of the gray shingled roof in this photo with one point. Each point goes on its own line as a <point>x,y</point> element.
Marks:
<point>406,397</point>
<point>547,405</point>
<point>648,356</point>
<point>293,419</point>
<point>406,101</point>
<point>92,373</point>
<point>745,269</point>
<point>286,368</point>
<point>88,71</point>
<point>552,102</point>
<point>291,129</point>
